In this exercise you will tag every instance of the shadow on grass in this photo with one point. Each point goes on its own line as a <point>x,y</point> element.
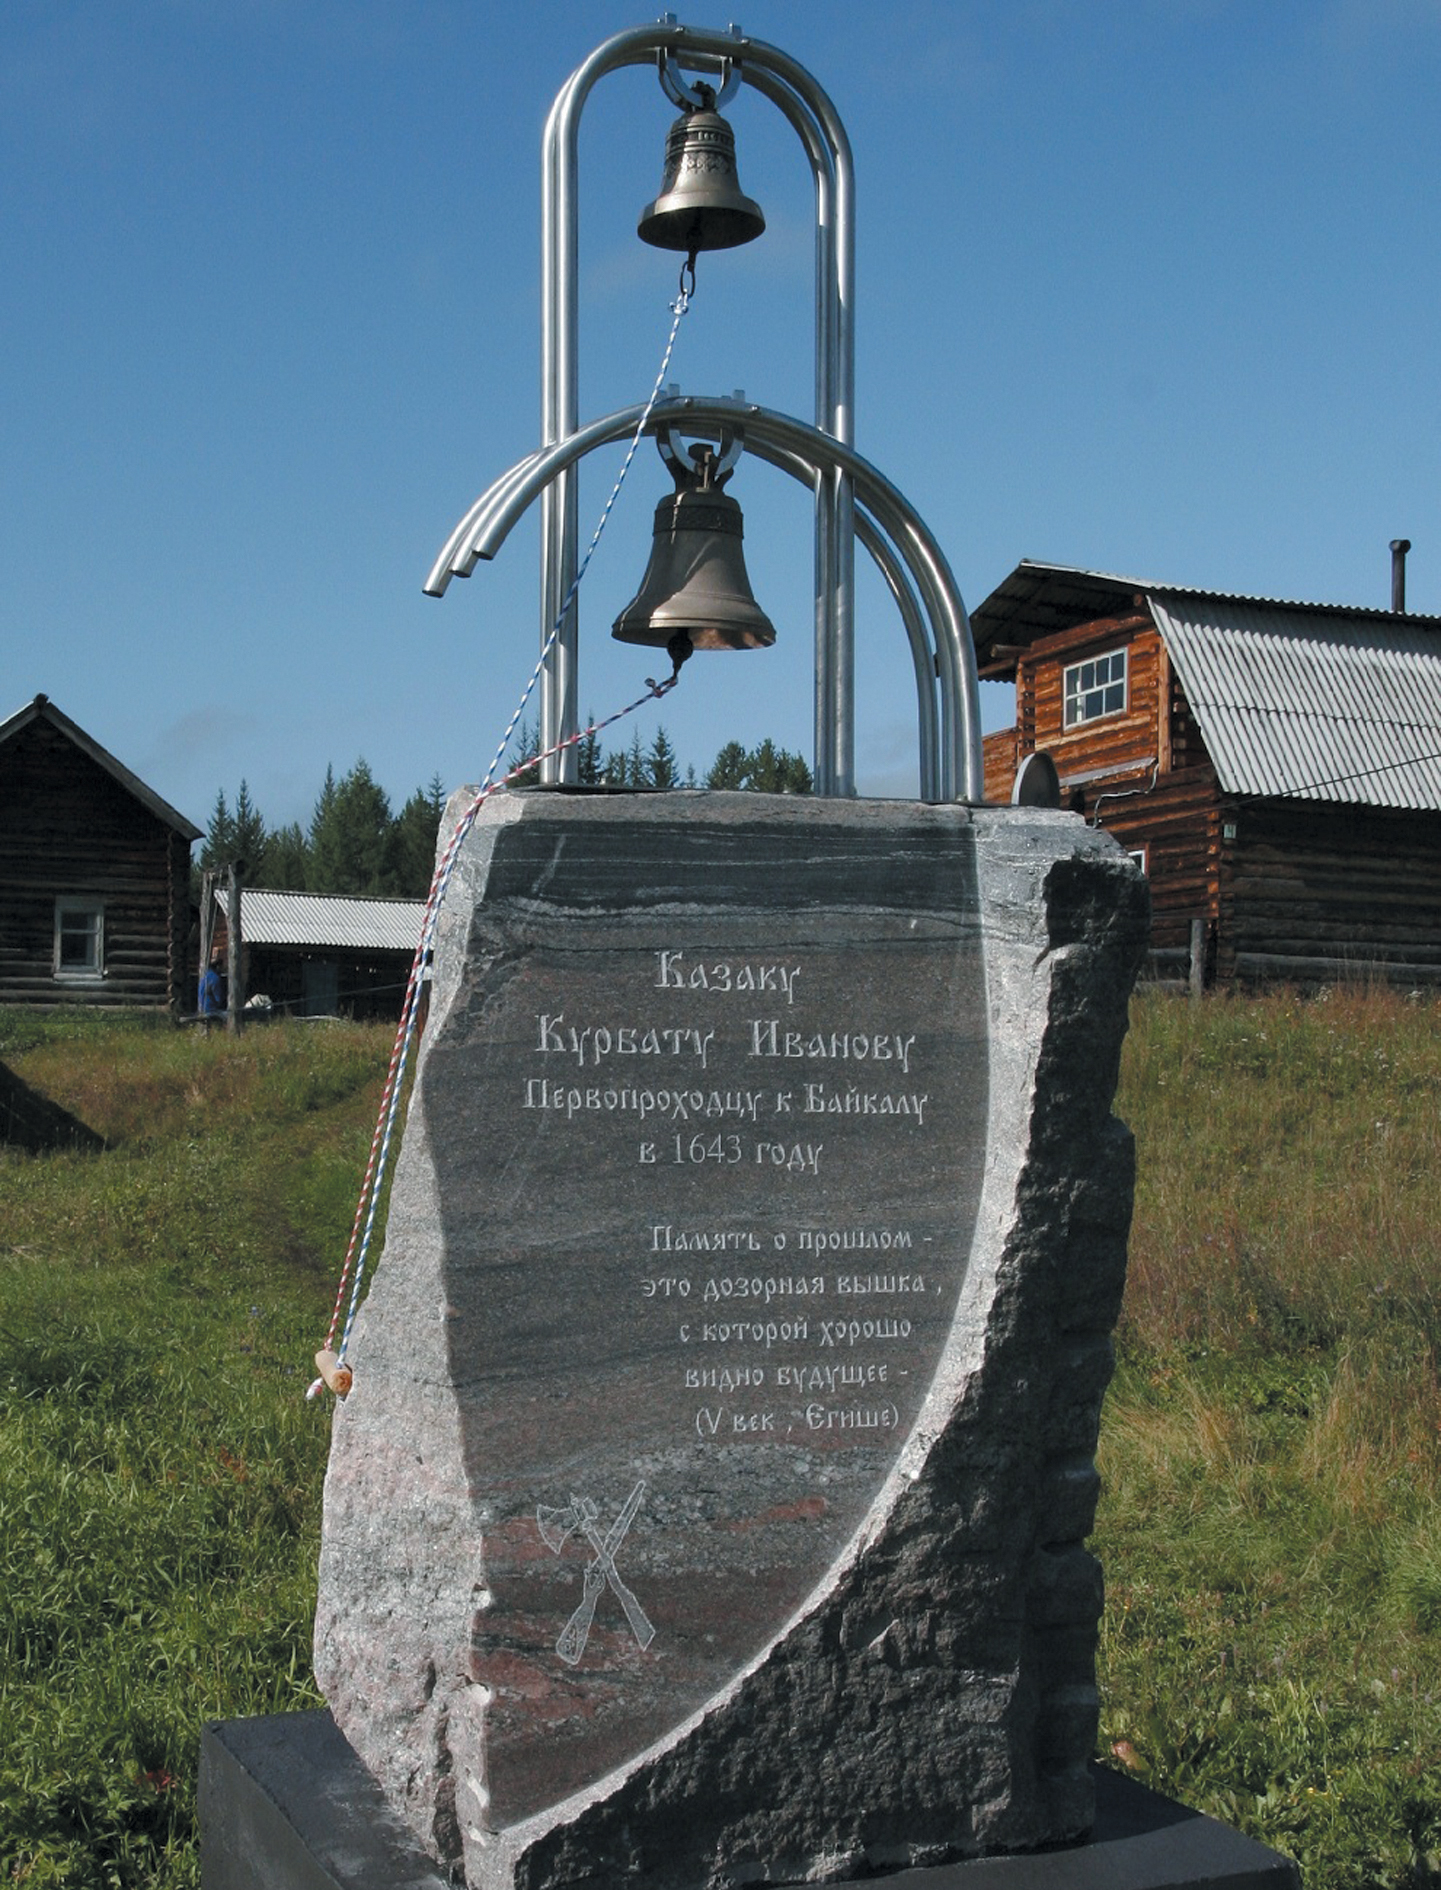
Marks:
<point>30,1121</point>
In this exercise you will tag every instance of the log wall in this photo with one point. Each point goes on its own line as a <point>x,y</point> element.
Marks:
<point>1118,741</point>
<point>1315,891</point>
<point>1001,754</point>
<point>1178,824</point>
<point>69,829</point>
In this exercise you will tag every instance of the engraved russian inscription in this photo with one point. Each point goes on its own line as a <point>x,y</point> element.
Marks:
<point>707,1218</point>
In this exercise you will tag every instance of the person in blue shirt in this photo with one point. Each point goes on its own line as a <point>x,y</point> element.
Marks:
<point>211,994</point>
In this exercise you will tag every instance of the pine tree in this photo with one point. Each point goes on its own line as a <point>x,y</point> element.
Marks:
<point>778,771</point>
<point>248,838</point>
<point>636,767</point>
<point>417,829</point>
<point>764,769</point>
<point>219,848</point>
<point>320,822</point>
<point>350,836</point>
<point>285,862</point>
<point>729,768</point>
<point>366,824</point>
<point>590,769</point>
<point>661,764</point>
<point>526,742</point>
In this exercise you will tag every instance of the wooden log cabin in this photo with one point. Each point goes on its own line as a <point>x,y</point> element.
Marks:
<point>1275,768</point>
<point>94,873</point>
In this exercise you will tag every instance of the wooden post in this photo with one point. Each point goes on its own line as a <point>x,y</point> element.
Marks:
<point>1198,957</point>
<point>1163,709</point>
<point>207,924</point>
<point>235,996</point>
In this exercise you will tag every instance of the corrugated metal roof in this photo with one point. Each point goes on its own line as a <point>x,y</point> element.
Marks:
<point>1309,702</point>
<point>1037,599</point>
<point>328,920</point>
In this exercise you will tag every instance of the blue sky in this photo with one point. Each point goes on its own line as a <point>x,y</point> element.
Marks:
<point>1149,286</point>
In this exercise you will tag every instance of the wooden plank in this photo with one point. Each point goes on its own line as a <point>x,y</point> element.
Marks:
<point>1289,968</point>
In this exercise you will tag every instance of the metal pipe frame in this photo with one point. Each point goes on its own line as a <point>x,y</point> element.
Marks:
<point>801,99</point>
<point>892,531</point>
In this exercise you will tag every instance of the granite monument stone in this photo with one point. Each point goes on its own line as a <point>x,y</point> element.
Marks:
<point>710,1500</point>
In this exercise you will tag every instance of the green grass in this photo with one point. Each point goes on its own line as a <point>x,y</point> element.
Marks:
<point>160,1470</point>
<point>1271,1448</point>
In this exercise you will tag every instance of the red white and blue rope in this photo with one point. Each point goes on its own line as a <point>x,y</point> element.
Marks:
<point>353,1271</point>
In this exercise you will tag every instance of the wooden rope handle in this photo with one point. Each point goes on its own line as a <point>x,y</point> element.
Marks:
<point>337,1376</point>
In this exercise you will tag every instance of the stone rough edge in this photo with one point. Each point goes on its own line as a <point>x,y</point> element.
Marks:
<point>412,1718</point>
<point>1084,1231</point>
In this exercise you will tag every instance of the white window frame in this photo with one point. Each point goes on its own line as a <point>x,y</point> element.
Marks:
<point>1138,854</point>
<point>92,912</point>
<point>1087,698</point>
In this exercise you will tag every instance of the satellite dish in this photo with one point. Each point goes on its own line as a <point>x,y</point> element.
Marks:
<point>1037,783</point>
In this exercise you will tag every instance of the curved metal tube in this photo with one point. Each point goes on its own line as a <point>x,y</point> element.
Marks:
<point>893,573</point>
<point>789,86</point>
<point>834,561</point>
<point>486,525</point>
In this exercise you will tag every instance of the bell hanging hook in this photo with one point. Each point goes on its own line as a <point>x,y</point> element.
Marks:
<point>721,459</point>
<point>700,96</point>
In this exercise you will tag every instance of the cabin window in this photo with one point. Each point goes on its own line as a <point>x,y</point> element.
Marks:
<point>79,939</point>
<point>1138,854</point>
<point>1095,688</point>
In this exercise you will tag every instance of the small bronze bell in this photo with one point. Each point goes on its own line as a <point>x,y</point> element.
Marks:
<point>700,205</point>
<point>695,585</point>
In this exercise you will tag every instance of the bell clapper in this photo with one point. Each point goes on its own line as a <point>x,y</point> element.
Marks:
<point>680,650</point>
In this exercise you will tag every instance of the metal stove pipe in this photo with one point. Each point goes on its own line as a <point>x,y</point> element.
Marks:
<point>1399,548</point>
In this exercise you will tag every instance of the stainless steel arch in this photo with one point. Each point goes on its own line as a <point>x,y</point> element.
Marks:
<point>804,103</point>
<point>890,528</point>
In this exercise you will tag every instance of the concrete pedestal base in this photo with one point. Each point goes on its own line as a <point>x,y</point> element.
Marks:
<point>286,1805</point>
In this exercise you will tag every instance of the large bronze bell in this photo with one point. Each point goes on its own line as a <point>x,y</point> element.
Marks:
<point>700,205</point>
<point>695,585</point>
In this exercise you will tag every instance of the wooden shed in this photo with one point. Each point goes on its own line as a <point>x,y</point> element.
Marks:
<point>94,872</point>
<point>325,954</point>
<point>1274,767</point>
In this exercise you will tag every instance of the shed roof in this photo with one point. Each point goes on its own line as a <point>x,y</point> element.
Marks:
<point>41,708</point>
<point>1324,702</point>
<point>329,920</point>
<point>1038,599</point>
<point>1291,703</point>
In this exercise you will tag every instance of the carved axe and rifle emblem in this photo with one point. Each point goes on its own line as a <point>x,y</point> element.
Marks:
<point>579,1516</point>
